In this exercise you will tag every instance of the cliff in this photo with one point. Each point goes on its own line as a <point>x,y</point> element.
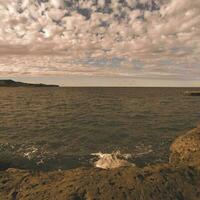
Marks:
<point>11,83</point>
<point>177,180</point>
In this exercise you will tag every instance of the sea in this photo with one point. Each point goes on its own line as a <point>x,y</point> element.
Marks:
<point>63,128</point>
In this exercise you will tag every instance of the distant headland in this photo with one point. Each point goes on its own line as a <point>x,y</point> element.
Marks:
<point>11,83</point>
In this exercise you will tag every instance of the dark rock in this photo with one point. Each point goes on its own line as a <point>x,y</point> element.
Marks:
<point>192,93</point>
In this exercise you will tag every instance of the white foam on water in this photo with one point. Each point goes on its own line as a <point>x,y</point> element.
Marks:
<point>142,150</point>
<point>113,160</point>
<point>30,153</point>
<point>39,154</point>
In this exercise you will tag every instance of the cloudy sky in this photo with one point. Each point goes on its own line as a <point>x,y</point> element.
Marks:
<point>101,42</point>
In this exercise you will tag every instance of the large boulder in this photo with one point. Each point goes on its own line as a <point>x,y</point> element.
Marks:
<point>186,149</point>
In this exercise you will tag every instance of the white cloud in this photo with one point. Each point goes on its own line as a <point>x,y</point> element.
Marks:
<point>150,31</point>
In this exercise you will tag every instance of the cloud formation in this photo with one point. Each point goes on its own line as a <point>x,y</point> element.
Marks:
<point>134,38</point>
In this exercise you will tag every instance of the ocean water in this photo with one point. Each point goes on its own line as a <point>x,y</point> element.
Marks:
<point>62,128</point>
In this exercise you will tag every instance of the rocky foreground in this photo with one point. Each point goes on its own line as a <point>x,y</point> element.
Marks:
<point>177,180</point>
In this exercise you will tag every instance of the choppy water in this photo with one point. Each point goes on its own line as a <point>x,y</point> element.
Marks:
<point>59,128</point>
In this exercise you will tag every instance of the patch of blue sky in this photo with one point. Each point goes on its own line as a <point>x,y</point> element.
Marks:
<point>137,64</point>
<point>113,62</point>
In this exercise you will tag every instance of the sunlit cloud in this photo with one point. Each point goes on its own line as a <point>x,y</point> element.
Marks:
<point>130,38</point>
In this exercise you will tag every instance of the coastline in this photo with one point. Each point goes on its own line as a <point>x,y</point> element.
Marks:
<point>178,180</point>
<point>11,83</point>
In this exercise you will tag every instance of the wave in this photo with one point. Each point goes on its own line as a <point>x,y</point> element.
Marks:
<point>112,160</point>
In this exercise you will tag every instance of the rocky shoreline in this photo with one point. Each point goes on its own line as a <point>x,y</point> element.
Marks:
<point>177,180</point>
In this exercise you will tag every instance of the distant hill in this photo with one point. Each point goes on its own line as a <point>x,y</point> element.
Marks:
<point>11,83</point>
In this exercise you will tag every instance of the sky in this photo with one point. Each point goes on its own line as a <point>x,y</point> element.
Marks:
<point>101,42</point>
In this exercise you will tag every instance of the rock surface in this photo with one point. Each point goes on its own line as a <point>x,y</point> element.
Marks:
<point>186,149</point>
<point>177,180</point>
